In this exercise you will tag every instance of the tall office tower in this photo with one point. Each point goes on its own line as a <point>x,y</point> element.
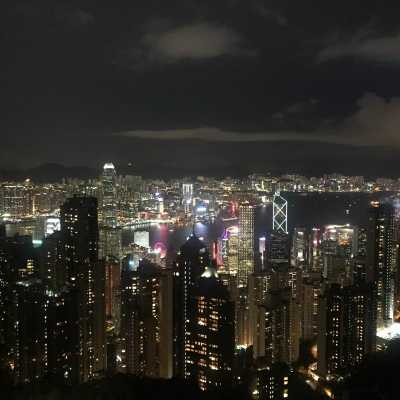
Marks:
<point>279,214</point>
<point>210,335</point>
<point>187,197</point>
<point>191,262</point>
<point>310,299</point>
<point>80,234</point>
<point>51,262</point>
<point>380,259</point>
<point>283,329</point>
<point>246,243</point>
<point>347,328</point>
<point>230,248</point>
<point>278,250</point>
<point>272,382</point>
<point>147,320</point>
<point>337,248</point>
<point>277,262</point>
<point>29,349</point>
<point>315,261</point>
<point>299,252</point>
<point>110,242</point>
<point>109,206</point>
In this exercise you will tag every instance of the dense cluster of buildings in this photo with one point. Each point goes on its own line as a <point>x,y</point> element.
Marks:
<point>77,303</point>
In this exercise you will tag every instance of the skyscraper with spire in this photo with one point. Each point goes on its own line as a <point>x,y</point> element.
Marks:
<point>109,212</point>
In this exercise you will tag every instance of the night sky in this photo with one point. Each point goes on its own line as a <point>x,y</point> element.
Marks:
<point>201,87</point>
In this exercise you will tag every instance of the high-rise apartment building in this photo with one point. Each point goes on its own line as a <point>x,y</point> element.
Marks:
<point>347,330</point>
<point>29,348</point>
<point>380,259</point>
<point>85,275</point>
<point>210,335</point>
<point>191,262</point>
<point>310,307</point>
<point>147,322</point>
<point>272,382</point>
<point>283,327</point>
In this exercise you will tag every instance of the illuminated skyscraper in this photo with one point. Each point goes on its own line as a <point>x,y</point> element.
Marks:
<point>246,243</point>
<point>315,261</point>
<point>279,214</point>
<point>347,329</point>
<point>191,262</point>
<point>187,197</point>
<point>209,340</point>
<point>80,235</point>
<point>230,245</point>
<point>278,249</point>
<point>147,320</point>
<point>299,253</point>
<point>110,243</point>
<point>380,258</point>
<point>109,208</point>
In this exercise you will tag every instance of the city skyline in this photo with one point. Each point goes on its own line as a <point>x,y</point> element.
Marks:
<point>253,285</point>
<point>199,200</point>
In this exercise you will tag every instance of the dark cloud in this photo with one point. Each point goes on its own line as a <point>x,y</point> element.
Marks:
<point>270,14</point>
<point>376,121</point>
<point>163,43</point>
<point>365,45</point>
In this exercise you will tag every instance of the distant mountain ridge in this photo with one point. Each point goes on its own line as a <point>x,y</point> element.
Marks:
<point>52,172</point>
<point>49,172</point>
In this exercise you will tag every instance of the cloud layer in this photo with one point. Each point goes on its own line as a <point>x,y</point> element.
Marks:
<point>384,49</point>
<point>197,41</point>
<point>375,122</point>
